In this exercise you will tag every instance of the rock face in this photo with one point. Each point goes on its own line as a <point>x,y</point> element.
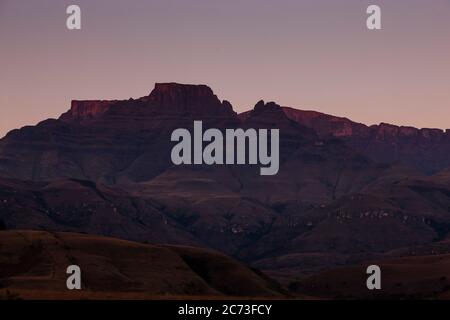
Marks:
<point>166,99</point>
<point>85,110</point>
<point>189,99</point>
<point>427,150</point>
<point>111,141</point>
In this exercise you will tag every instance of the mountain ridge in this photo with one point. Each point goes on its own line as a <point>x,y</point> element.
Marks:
<point>425,149</point>
<point>105,169</point>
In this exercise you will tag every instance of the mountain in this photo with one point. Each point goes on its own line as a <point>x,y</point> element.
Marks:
<point>427,150</point>
<point>33,266</point>
<point>83,206</point>
<point>392,213</point>
<point>127,143</point>
<point>104,168</point>
<point>111,141</point>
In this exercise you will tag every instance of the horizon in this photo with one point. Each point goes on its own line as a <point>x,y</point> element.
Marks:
<point>308,55</point>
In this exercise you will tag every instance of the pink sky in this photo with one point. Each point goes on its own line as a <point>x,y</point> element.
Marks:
<point>312,54</point>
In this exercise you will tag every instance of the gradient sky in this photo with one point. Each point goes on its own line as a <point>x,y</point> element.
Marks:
<point>308,54</point>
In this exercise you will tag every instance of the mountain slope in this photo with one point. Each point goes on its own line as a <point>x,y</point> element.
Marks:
<point>33,264</point>
<point>419,277</point>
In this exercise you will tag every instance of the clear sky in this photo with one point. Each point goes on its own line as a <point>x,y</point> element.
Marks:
<point>308,54</point>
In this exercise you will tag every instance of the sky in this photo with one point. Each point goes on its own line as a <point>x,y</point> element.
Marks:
<point>308,54</point>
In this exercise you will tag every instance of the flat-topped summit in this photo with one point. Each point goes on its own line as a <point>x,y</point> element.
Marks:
<point>164,98</point>
<point>172,88</point>
<point>188,98</point>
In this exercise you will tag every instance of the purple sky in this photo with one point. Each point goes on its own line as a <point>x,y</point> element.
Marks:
<point>311,54</point>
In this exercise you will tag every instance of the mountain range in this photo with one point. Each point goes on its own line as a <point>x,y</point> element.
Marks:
<point>345,192</point>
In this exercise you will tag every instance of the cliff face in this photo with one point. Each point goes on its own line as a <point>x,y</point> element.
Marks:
<point>111,140</point>
<point>166,99</point>
<point>188,99</point>
<point>427,150</point>
<point>87,109</point>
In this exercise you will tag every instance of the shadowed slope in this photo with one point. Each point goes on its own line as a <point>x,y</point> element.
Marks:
<point>32,260</point>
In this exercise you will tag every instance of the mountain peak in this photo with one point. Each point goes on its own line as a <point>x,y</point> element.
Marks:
<point>270,109</point>
<point>188,98</point>
<point>178,88</point>
<point>165,98</point>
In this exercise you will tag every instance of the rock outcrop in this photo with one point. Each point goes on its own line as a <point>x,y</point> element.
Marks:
<point>427,150</point>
